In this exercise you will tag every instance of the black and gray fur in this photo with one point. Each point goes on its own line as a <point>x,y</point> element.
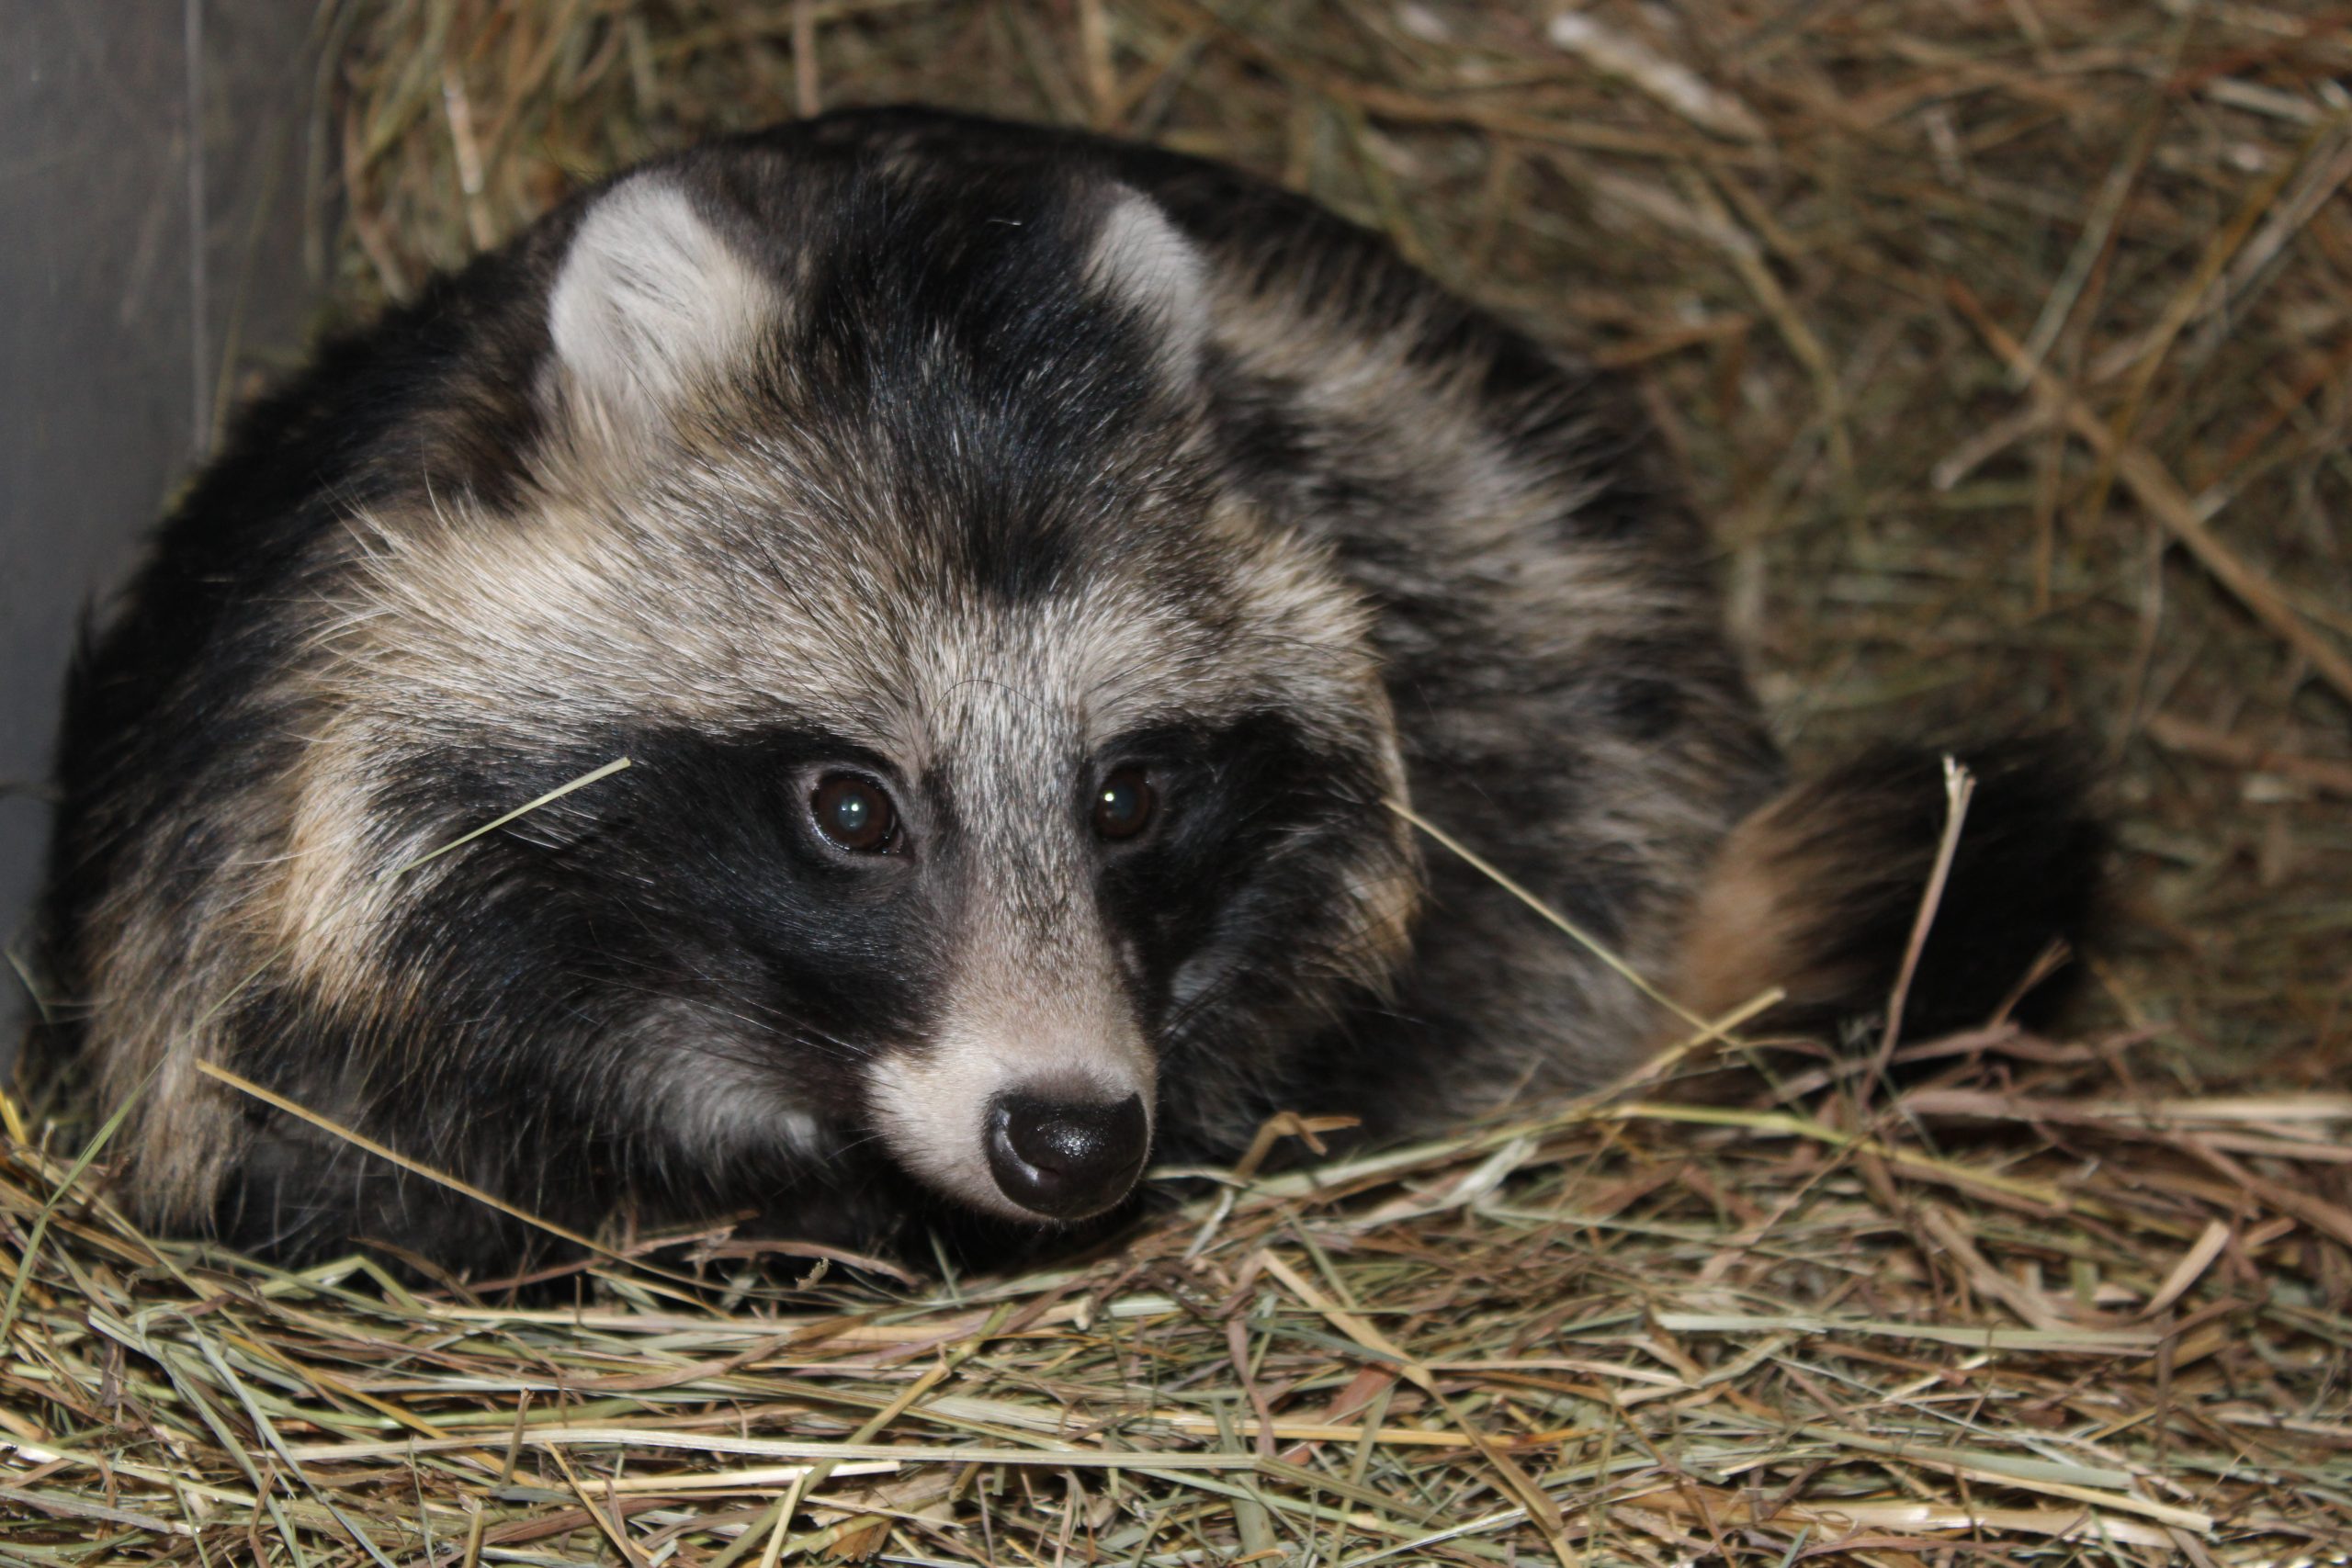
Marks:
<point>980,463</point>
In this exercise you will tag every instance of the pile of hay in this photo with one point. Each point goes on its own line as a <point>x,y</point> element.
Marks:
<point>2009,345</point>
<point>2005,1313</point>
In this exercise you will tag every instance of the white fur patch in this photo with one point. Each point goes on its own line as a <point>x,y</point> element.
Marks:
<point>716,1107</point>
<point>651,302</point>
<point>1139,258</point>
<point>1040,1014</point>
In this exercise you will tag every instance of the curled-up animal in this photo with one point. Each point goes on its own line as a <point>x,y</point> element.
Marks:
<point>1023,571</point>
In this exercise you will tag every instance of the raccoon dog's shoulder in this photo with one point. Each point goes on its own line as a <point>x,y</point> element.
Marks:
<point>1023,570</point>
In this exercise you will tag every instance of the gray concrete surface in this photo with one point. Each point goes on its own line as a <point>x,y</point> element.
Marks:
<point>153,197</point>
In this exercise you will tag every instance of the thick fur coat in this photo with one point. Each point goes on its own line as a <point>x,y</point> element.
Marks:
<point>1032,485</point>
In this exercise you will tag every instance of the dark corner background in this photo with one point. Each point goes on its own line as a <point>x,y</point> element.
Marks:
<point>158,248</point>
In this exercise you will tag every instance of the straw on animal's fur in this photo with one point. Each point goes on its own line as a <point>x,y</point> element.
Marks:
<point>2006,344</point>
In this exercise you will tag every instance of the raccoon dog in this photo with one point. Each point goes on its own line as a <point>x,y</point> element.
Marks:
<point>1020,569</point>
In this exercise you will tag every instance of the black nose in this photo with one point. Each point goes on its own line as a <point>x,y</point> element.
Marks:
<point>1066,1159</point>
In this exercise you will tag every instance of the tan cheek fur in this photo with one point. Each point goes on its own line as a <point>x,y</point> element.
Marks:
<point>182,1127</point>
<point>167,962</point>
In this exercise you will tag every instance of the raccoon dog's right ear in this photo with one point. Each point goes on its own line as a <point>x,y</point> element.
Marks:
<point>1142,259</point>
<point>651,306</point>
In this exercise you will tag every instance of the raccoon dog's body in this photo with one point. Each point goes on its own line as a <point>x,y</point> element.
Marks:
<point>1020,569</point>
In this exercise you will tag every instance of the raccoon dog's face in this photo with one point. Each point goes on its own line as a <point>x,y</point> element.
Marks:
<point>995,764</point>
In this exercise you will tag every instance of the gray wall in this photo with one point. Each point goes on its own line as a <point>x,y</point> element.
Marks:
<point>153,160</point>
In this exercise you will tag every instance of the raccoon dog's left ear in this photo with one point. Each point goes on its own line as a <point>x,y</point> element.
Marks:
<point>651,304</point>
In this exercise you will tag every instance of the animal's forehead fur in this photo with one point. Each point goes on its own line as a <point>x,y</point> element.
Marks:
<point>984,570</point>
<point>721,605</point>
<point>922,483</point>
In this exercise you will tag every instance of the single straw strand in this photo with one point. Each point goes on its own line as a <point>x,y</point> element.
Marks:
<point>415,1167</point>
<point>1593,944</point>
<point>583,782</point>
<point>1959,787</point>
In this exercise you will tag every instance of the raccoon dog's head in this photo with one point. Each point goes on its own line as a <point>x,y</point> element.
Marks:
<point>1001,777</point>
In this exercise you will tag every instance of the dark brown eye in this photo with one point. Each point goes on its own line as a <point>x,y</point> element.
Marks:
<point>854,812</point>
<point>1124,803</point>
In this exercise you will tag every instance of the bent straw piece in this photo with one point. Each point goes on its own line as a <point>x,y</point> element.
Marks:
<point>414,1168</point>
<point>1959,787</point>
<point>1577,933</point>
<point>417,1168</point>
<point>583,782</point>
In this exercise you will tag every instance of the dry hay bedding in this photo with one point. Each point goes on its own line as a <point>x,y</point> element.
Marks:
<point>2027,1307</point>
<point>1984,330</point>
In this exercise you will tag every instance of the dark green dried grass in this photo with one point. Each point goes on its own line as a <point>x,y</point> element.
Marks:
<point>2051,1302</point>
